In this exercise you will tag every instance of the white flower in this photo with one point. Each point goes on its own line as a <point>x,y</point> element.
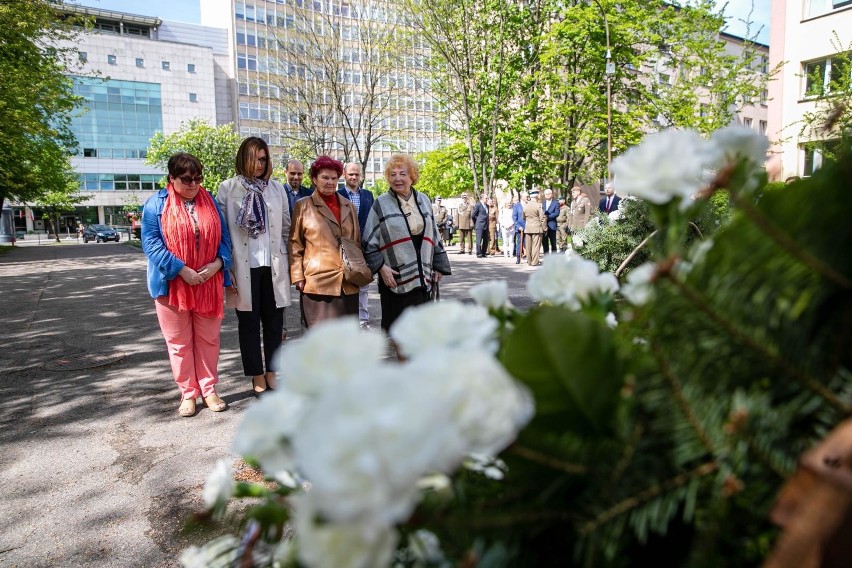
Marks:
<point>569,281</point>
<point>738,142</point>
<point>487,406</point>
<point>220,484</point>
<point>365,444</point>
<point>356,544</point>
<point>218,553</point>
<point>490,467</point>
<point>444,324</point>
<point>615,215</point>
<point>611,321</point>
<point>667,165</point>
<point>493,294</point>
<point>699,251</point>
<point>266,430</point>
<point>638,288</point>
<point>577,241</point>
<point>327,355</point>
<point>426,548</point>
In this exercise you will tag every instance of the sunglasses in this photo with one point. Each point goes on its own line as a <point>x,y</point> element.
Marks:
<point>189,180</point>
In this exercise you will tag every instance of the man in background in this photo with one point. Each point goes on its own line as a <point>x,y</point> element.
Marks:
<point>551,212</point>
<point>295,190</point>
<point>609,202</point>
<point>441,215</point>
<point>462,223</point>
<point>479,218</point>
<point>363,202</point>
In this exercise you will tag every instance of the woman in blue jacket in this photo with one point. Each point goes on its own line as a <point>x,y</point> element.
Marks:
<point>189,253</point>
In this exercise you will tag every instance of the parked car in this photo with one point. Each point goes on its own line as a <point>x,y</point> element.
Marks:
<point>100,234</point>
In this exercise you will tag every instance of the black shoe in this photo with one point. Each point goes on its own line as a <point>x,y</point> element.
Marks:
<point>517,261</point>
<point>479,256</point>
<point>470,253</point>
<point>461,252</point>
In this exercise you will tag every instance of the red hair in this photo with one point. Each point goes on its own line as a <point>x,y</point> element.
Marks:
<point>325,163</point>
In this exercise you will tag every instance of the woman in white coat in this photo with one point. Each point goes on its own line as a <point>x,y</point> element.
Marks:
<point>257,212</point>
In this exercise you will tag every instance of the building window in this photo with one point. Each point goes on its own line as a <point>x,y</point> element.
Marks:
<point>90,153</point>
<point>140,62</point>
<point>190,67</point>
<point>111,59</point>
<point>764,97</point>
<point>166,65</point>
<point>761,127</point>
<point>747,122</point>
<point>193,97</point>
<point>83,56</point>
<point>815,8</point>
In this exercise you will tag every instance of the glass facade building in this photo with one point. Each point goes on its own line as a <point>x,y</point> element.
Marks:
<point>122,117</point>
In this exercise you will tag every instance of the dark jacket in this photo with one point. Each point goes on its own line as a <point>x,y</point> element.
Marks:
<point>366,204</point>
<point>294,197</point>
<point>479,217</point>
<point>551,213</point>
<point>612,206</point>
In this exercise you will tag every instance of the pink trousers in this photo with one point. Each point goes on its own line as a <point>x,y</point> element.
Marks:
<point>193,344</point>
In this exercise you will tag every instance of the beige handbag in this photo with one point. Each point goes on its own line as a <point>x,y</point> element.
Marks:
<point>355,269</point>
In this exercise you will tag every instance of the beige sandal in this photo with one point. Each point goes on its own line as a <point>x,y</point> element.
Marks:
<point>187,407</point>
<point>215,403</point>
<point>259,386</point>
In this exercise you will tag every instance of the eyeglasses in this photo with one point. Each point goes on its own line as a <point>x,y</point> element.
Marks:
<point>189,180</point>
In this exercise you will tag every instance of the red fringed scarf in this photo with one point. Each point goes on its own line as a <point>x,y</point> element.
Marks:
<point>206,299</point>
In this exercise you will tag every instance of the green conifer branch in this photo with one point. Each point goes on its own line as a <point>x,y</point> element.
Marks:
<point>546,460</point>
<point>646,495</point>
<point>699,301</point>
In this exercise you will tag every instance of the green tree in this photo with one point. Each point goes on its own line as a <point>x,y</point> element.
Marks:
<point>36,98</point>
<point>445,172</point>
<point>215,146</point>
<point>524,84</point>
<point>60,196</point>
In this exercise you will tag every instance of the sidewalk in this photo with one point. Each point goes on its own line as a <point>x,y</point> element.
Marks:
<point>97,469</point>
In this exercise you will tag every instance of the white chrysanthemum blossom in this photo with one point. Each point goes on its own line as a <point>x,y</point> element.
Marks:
<point>266,430</point>
<point>615,215</point>
<point>569,281</point>
<point>365,444</point>
<point>577,241</point>
<point>493,294</point>
<point>739,142</point>
<point>218,553</point>
<point>638,288</point>
<point>327,355</point>
<point>487,406</point>
<point>444,324</point>
<point>490,467</point>
<point>611,320</point>
<point>358,544</point>
<point>220,485</point>
<point>426,548</point>
<point>667,165</point>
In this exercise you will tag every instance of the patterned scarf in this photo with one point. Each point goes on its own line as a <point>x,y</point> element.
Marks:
<point>179,233</point>
<point>252,215</point>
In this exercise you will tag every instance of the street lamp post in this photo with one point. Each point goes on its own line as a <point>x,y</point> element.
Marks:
<point>610,71</point>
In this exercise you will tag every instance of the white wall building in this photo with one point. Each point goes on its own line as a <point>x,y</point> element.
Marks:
<point>802,39</point>
<point>137,75</point>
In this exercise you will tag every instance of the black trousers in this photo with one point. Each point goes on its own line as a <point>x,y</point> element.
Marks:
<point>482,242</point>
<point>263,312</point>
<point>549,238</point>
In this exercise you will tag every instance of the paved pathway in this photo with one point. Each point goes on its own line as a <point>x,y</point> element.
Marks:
<point>96,468</point>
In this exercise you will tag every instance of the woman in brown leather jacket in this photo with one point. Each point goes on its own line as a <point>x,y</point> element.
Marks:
<point>315,265</point>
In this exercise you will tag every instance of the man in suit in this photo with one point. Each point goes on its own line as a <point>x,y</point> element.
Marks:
<point>462,223</point>
<point>535,224</point>
<point>441,216</point>
<point>518,219</point>
<point>609,202</point>
<point>551,213</point>
<point>479,218</point>
<point>295,190</point>
<point>363,202</point>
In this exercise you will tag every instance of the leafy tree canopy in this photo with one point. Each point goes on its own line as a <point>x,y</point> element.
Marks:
<point>36,99</point>
<point>215,146</point>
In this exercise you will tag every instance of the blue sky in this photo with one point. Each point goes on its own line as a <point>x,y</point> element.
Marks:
<point>189,11</point>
